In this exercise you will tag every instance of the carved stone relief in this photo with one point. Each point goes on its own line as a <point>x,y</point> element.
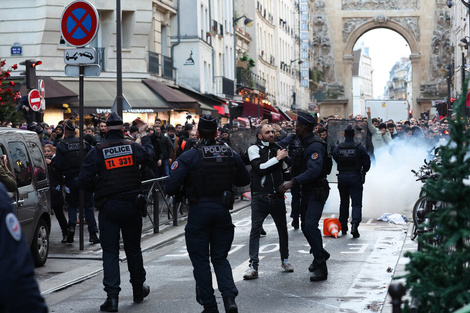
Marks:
<point>380,4</point>
<point>324,58</point>
<point>410,23</point>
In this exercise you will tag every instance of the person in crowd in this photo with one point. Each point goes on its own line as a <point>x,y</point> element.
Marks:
<point>183,139</point>
<point>171,135</point>
<point>166,151</point>
<point>266,160</point>
<point>353,163</point>
<point>208,174</point>
<point>156,139</point>
<point>89,130</point>
<point>6,176</point>
<point>133,133</point>
<point>56,183</point>
<point>158,123</point>
<point>322,133</point>
<point>380,135</point>
<point>178,129</point>
<point>279,133</point>
<point>101,132</point>
<point>105,167</point>
<point>392,130</point>
<point>59,134</point>
<point>67,163</point>
<point>19,290</point>
<point>224,136</point>
<point>314,167</point>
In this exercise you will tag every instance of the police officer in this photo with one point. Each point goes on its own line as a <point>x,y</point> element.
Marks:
<point>111,170</point>
<point>67,162</point>
<point>266,159</point>
<point>19,291</point>
<point>353,162</point>
<point>208,172</point>
<point>314,167</point>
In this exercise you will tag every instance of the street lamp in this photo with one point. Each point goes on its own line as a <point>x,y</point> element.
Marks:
<point>300,61</point>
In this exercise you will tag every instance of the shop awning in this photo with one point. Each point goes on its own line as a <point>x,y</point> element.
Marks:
<point>57,93</point>
<point>284,114</point>
<point>99,96</point>
<point>174,98</point>
<point>250,109</point>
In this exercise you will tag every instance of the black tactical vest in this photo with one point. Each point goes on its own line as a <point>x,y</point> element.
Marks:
<point>71,158</point>
<point>119,171</point>
<point>348,157</point>
<point>216,173</point>
<point>270,182</point>
<point>327,161</point>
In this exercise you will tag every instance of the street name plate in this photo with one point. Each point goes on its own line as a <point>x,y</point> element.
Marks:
<point>90,70</point>
<point>80,56</point>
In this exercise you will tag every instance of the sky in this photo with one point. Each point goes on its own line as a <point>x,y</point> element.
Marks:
<point>386,47</point>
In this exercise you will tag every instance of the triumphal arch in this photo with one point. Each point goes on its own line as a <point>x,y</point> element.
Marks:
<point>338,24</point>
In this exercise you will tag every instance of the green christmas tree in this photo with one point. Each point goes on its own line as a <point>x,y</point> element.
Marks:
<point>439,274</point>
<point>8,96</point>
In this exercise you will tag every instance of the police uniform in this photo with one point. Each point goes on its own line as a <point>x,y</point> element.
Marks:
<point>111,169</point>
<point>314,193</point>
<point>67,162</point>
<point>19,291</point>
<point>353,162</point>
<point>208,172</point>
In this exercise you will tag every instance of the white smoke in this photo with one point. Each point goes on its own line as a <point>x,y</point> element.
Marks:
<point>390,185</point>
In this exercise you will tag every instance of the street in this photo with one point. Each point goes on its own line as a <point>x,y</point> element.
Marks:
<point>360,271</point>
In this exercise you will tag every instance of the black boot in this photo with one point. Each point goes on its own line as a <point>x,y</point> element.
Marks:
<point>94,237</point>
<point>354,231</point>
<point>313,266</point>
<point>111,304</point>
<point>70,234</point>
<point>230,305</point>
<point>140,293</point>
<point>295,223</point>
<point>321,271</point>
<point>344,228</point>
<point>210,308</point>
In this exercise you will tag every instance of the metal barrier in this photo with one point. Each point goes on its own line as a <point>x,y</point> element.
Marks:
<point>161,208</point>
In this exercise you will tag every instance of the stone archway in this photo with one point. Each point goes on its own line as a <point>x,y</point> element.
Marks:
<point>338,24</point>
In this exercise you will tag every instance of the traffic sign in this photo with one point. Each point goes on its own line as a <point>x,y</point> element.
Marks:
<point>80,56</point>
<point>79,23</point>
<point>34,100</point>
<point>42,89</point>
<point>89,70</point>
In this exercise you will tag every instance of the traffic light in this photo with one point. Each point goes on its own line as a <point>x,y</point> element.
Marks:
<point>30,73</point>
<point>410,114</point>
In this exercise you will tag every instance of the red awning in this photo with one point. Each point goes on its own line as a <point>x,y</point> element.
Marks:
<point>250,109</point>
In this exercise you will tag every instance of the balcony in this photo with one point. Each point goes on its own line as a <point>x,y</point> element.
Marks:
<point>248,79</point>
<point>224,86</point>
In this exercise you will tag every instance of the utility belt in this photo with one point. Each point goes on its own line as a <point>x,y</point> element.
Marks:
<point>227,199</point>
<point>349,172</point>
<point>138,200</point>
<point>268,195</point>
<point>320,189</point>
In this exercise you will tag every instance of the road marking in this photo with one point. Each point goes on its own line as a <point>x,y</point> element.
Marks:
<point>361,249</point>
<point>370,221</point>
<point>237,273</point>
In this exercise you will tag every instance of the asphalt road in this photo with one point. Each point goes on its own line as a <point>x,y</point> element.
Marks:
<point>360,271</point>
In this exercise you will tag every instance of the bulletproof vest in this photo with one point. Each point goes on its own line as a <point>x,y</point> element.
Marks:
<point>71,158</point>
<point>215,174</point>
<point>270,182</point>
<point>348,157</point>
<point>119,171</point>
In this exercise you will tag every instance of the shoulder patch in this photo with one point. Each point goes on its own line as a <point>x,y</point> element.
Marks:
<point>13,226</point>
<point>315,156</point>
<point>174,165</point>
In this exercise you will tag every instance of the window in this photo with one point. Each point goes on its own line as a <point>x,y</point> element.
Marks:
<point>128,24</point>
<point>20,163</point>
<point>38,163</point>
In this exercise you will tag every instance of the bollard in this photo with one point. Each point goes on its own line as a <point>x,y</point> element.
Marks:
<point>396,291</point>
<point>156,211</point>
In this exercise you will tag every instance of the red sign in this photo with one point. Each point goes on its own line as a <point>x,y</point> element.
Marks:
<point>79,23</point>
<point>34,99</point>
<point>42,89</point>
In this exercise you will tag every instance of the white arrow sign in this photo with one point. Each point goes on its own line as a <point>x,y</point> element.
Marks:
<point>90,70</point>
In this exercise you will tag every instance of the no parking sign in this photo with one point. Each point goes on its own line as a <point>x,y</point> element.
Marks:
<point>79,23</point>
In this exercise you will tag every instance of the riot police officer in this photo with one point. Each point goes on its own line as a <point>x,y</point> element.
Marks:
<point>208,172</point>
<point>314,167</point>
<point>353,162</point>
<point>111,170</point>
<point>19,291</point>
<point>67,162</point>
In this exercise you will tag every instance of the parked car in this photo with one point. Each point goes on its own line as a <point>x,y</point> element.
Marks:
<point>32,201</point>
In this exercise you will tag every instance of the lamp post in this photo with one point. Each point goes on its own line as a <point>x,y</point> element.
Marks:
<point>248,22</point>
